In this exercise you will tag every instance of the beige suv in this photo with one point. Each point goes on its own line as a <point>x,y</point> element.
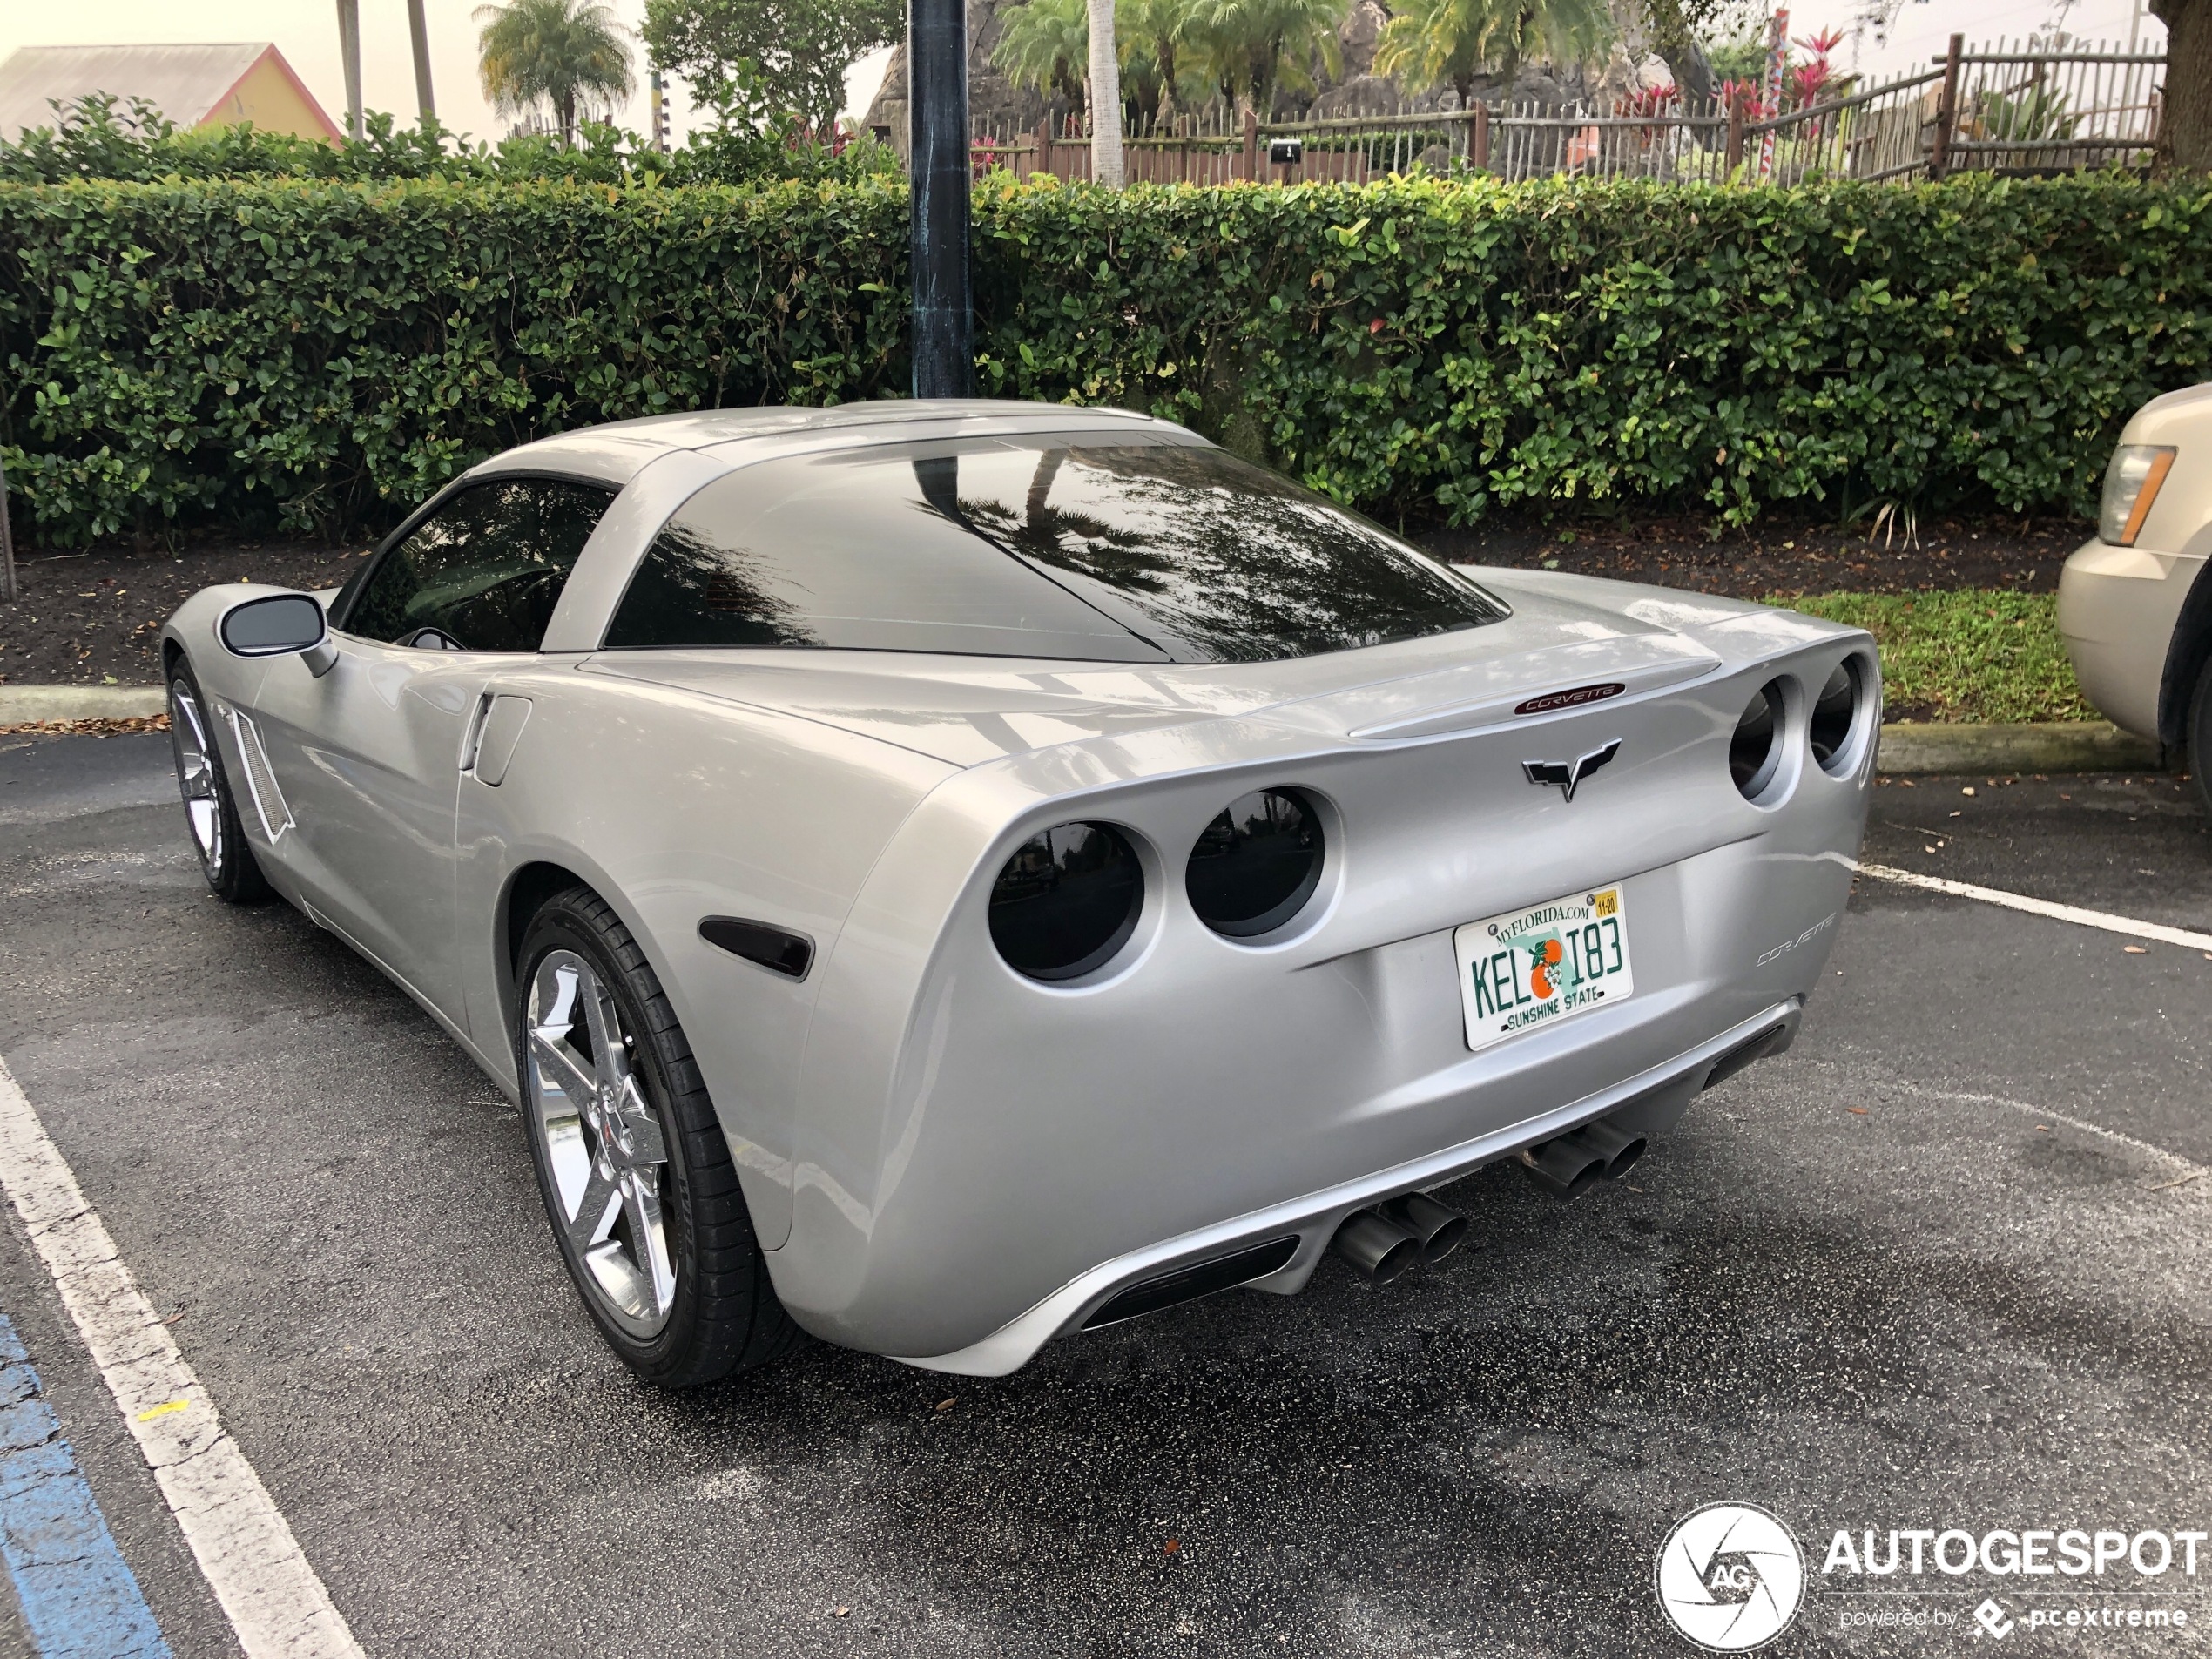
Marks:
<point>2135,604</point>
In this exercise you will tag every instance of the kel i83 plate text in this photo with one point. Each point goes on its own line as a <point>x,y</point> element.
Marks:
<point>1534,966</point>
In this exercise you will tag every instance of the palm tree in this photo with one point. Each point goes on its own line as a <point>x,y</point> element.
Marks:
<point>349,60</point>
<point>1106,167</point>
<point>553,50</point>
<point>1431,42</point>
<point>1253,46</point>
<point>1045,45</point>
<point>418,35</point>
<point>1152,46</point>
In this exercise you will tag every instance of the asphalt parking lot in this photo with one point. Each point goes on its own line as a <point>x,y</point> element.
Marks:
<point>1943,1265</point>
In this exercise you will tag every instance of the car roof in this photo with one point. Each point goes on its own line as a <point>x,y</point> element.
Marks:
<point>617,452</point>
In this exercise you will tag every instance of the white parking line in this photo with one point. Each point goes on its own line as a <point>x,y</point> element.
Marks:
<point>268,1589</point>
<point>2126,926</point>
<point>2190,1171</point>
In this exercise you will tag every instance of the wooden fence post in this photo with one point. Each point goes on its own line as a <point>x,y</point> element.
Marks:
<point>1735,154</point>
<point>1479,137</point>
<point>1251,146</point>
<point>1043,140</point>
<point>1946,110</point>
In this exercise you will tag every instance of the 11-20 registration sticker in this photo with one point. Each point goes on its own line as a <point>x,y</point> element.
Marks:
<point>1530,967</point>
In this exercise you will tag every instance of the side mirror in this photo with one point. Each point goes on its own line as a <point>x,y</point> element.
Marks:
<point>279,625</point>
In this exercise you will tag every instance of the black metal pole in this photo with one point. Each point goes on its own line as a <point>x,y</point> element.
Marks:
<point>939,168</point>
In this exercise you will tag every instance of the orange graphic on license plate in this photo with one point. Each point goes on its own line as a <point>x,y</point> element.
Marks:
<point>1541,964</point>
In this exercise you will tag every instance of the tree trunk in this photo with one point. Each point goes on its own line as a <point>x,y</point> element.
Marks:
<point>349,57</point>
<point>1105,98</point>
<point>1036,507</point>
<point>2185,121</point>
<point>564,107</point>
<point>418,29</point>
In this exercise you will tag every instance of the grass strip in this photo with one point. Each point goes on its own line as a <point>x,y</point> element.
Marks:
<point>1967,654</point>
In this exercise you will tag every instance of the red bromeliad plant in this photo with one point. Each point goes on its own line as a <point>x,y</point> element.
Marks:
<point>1746,95</point>
<point>1648,101</point>
<point>1811,80</point>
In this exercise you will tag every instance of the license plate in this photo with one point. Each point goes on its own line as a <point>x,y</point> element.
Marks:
<point>1545,963</point>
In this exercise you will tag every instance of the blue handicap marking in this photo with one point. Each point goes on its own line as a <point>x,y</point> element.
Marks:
<point>77,1593</point>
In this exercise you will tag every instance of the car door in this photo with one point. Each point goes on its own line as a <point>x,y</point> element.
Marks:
<point>366,758</point>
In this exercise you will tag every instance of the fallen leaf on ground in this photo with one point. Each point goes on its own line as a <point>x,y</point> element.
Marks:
<point>1856,1112</point>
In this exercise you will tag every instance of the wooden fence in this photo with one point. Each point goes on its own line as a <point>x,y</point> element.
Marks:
<point>2009,108</point>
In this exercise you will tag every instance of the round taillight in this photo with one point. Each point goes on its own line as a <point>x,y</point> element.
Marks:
<point>1834,713</point>
<point>1755,753</point>
<point>1256,864</point>
<point>1067,901</point>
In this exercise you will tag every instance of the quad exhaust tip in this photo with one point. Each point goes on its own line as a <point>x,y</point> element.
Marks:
<point>1439,1228</point>
<point>1570,1164</point>
<point>1385,1242</point>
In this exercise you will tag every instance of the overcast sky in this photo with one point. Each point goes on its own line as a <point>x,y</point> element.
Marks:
<point>306,32</point>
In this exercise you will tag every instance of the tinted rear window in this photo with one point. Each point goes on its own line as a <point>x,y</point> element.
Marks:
<point>1110,549</point>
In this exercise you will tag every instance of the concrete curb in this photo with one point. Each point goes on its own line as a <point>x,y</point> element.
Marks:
<point>2069,745</point>
<point>2072,745</point>
<point>21,704</point>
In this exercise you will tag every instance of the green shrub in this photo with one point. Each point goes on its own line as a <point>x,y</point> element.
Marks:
<point>264,351</point>
<point>92,139</point>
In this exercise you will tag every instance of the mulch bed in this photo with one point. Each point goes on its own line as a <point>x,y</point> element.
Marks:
<point>129,726</point>
<point>1778,557</point>
<point>92,618</point>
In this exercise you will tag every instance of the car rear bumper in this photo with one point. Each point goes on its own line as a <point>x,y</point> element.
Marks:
<point>1651,1100</point>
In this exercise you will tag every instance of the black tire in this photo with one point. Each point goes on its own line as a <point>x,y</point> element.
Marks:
<point>2198,742</point>
<point>210,805</point>
<point>724,1318</point>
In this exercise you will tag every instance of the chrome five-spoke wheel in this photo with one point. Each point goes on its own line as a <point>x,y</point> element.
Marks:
<point>196,773</point>
<point>211,811</point>
<point>638,1181</point>
<point>602,1143</point>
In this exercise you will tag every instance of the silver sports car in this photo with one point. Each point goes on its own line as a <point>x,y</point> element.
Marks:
<point>947,876</point>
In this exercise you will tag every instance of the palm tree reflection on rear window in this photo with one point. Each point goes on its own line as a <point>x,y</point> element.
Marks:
<point>1120,550</point>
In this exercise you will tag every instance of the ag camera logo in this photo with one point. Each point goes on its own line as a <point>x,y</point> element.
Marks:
<point>1730,1577</point>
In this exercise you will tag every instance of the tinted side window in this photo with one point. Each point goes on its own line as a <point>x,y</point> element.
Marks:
<point>484,571</point>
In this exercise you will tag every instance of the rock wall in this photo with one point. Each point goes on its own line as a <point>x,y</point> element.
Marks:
<point>991,96</point>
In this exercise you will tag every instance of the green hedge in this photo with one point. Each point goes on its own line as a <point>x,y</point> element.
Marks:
<point>256,351</point>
